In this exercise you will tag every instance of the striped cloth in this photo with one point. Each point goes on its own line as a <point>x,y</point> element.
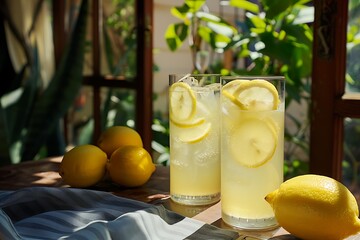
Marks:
<point>67,213</point>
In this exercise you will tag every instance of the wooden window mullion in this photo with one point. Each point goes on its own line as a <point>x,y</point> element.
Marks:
<point>329,58</point>
<point>144,71</point>
<point>96,33</point>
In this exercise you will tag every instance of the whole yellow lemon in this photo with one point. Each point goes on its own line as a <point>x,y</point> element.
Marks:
<point>117,136</point>
<point>315,207</point>
<point>130,166</point>
<point>83,166</point>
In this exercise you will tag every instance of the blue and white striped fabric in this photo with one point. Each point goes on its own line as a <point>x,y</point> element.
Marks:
<point>66,213</point>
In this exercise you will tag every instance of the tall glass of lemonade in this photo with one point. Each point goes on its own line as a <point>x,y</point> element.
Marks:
<point>194,109</point>
<point>252,149</point>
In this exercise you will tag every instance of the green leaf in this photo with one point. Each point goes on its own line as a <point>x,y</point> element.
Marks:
<point>257,22</point>
<point>182,31</point>
<point>276,49</point>
<point>175,35</point>
<point>18,114</point>
<point>244,53</point>
<point>220,29</point>
<point>9,80</point>
<point>195,5</point>
<point>302,33</point>
<point>302,61</point>
<point>124,112</point>
<point>61,92</point>
<point>208,17</point>
<point>216,41</point>
<point>288,52</point>
<point>274,8</point>
<point>305,15</point>
<point>217,24</point>
<point>180,12</point>
<point>303,2</point>
<point>108,50</point>
<point>55,145</point>
<point>246,5</point>
<point>208,36</point>
<point>354,11</point>
<point>5,158</point>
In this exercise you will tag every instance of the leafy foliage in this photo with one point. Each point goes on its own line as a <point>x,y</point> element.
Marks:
<point>202,29</point>
<point>30,116</point>
<point>351,163</point>
<point>65,85</point>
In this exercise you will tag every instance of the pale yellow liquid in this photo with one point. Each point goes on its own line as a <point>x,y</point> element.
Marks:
<point>195,167</point>
<point>243,189</point>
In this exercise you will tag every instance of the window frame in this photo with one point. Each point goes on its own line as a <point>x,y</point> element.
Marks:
<point>143,80</point>
<point>330,105</point>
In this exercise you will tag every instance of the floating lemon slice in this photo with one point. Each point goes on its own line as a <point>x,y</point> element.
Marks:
<point>233,85</point>
<point>256,95</point>
<point>182,102</point>
<point>229,89</point>
<point>195,134</point>
<point>253,142</point>
<point>188,124</point>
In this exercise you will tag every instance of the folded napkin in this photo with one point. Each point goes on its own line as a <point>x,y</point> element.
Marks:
<point>67,213</point>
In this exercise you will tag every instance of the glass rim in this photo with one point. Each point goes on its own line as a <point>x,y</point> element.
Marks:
<point>195,74</point>
<point>253,77</point>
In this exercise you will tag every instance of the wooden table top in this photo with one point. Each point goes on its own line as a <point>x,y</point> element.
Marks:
<point>155,191</point>
<point>45,173</point>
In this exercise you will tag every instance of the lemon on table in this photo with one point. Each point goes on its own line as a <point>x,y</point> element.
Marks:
<point>116,136</point>
<point>130,166</point>
<point>315,207</point>
<point>253,142</point>
<point>83,166</point>
<point>182,102</point>
<point>255,95</point>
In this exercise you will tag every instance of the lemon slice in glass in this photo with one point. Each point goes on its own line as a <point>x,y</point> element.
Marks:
<point>229,89</point>
<point>253,142</point>
<point>182,102</point>
<point>195,134</point>
<point>189,123</point>
<point>256,95</point>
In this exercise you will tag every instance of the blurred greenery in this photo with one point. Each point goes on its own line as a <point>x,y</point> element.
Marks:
<point>351,163</point>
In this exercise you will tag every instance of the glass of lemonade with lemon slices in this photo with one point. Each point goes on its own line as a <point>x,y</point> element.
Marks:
<point>252,149</point>
<point>194,109</point>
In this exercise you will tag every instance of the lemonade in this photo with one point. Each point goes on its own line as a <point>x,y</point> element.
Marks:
<point>194,139</point>
<point>252,149</point>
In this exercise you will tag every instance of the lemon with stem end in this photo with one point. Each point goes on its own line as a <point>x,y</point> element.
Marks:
<point>315,207</point>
